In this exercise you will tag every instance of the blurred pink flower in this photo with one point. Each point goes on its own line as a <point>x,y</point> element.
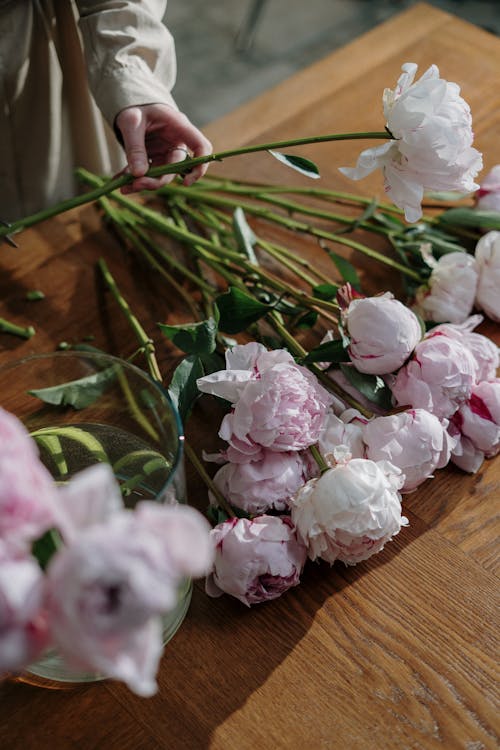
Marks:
<point>450,291</point>
<point>255,560</point>
<point>488,194</point>
<point>23,625</point>
<point>415,441</point>
<point>351,511</point>
<point>27,491</point>
<point>383,333</point>
<point>432,148</point>
<point>259,486</point>
<point>482,348</point>
<point>277,405</point>
<point>439,377</point>
<point>476,425</point>
<point>487,255</point>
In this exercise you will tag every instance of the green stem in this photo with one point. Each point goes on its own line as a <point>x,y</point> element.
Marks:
<point>7,327</point>
<point>178,168</point>
<point>221,500</point>
<point>141,334</point>
<point>316,454</point>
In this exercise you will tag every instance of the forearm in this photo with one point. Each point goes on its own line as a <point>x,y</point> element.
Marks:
<point>129,52</point>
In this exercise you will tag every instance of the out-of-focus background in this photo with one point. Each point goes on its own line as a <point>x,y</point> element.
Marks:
<point>229,51</point>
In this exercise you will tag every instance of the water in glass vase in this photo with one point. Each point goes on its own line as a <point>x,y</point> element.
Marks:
<point>141,470</point>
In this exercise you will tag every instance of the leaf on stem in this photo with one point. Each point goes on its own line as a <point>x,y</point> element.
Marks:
<point>470,217</point>
<point>299,163</point>
<point>183,389</point>
<point>329,351</point>
<point>239,310</point>
<point>193,338</point>
<point>370,386</point>
<point>245,237</point>
<point>326,292</point>
<point>347,271</point>
<point>77,393</point>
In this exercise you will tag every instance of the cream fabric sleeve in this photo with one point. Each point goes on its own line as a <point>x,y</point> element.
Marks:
<point>129,53</point>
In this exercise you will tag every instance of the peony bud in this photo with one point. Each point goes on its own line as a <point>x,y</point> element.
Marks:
<point>488,263</point>
<point>450,292</point>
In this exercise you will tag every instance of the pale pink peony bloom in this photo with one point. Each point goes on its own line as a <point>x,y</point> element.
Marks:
<point>108,589</point>
<point>477,426</point>
<point>346,430</point>
<point>277,404</point>
<point>448,296</point>
<point>27,491</point>
<point>415,441</point>
<point>383,333</point>
<point>439,377</point>
<point>432,148</point>
<point>351,511</point>
<point>488,195</point>
<point>487,256</point>
<point>483,349</point>
<point>23,625</point>
<point>259,486</point>
<point>255,560</point>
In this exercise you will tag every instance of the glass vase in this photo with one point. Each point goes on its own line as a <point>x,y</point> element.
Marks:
<point>85,407</point>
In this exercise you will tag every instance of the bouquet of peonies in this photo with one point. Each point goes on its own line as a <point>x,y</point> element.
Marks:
<point>100,598</point>
<point>320,445</point>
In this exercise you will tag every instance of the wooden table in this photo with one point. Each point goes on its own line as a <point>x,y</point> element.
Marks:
<point>398,652</point>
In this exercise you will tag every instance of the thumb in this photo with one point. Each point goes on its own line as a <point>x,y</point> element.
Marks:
<point>132,127</point>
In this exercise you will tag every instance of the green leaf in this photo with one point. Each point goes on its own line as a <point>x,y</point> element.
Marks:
<point>239,310</point>
<point>469,217</point>
<point>44,547</point>
<point>245,237</point>
<point>327,292</point>
<point>86,439</point>
<point>34,295</point>
<point>307,320</point>
<point>371,386</point>
<point>445,195</point>
<point>346,270</point>
<point>329,351</point>
<point>77,393</point>
<point>299,163</point>
<point>193,338</point>
<point>183,389</point>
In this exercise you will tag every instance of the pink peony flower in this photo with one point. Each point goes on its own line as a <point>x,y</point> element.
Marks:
<point>277,404</point>
<point>27,491</point>
<point>108,589</point>
<point>383,333</point>
<point>483,350</point>
<point>259,486</point>
<point>23,625</point>
<point>415,441</point>
<point>346,430</point>
<point>255,560</point>
<point>488,195</point>
<point>450,292</point>
<point>477,426</point>
<point>432,146</point>
<point>439,377</point>
<point>487,256</point>
<point>351,511</point>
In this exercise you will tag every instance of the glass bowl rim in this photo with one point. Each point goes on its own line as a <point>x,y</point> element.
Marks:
<point>75,354</point>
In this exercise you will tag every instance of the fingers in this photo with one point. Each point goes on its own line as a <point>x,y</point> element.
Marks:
<point>132,126</point>
<point>200,146</point>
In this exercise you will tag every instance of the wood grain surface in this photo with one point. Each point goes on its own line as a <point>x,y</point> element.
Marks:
<point>399,652</point>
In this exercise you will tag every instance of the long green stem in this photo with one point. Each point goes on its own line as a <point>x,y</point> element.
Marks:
<point>221,500</point>
<point>179,168</point>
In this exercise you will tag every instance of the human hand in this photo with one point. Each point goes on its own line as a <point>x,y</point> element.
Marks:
<point>157,134</point>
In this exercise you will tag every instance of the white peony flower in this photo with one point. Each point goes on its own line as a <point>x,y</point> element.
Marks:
<point>487,255</point>
<point>448,297</point>
<point>432,146</point>
<point>350,512</point>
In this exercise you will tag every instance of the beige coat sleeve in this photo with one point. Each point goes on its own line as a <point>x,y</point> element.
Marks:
<point>129,53</point>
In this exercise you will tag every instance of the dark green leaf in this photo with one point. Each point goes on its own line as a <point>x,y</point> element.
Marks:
<point>77,393</point>
<point>183,389</point>
<point>307,320</point>
<point>239,310</point>
<point>245,237</point>
<point>299,163</point>
<point>43,548</point>
<point>371,386</point>
<point>346,270</point>
<point>193,338</point>
<point>329,351</point>
<point>327,292</point>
